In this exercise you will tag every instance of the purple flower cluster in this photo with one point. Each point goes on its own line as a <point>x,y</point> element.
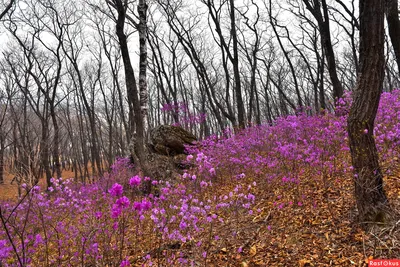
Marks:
<point>110,222</point>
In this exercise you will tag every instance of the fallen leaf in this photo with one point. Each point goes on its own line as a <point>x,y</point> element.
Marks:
<point>327,236</point>
<point>304,263</point>
<point>253,250</point>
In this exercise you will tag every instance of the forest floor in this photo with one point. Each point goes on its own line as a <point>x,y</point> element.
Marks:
<point>323,234</point>
<point>278,195</point>
<point>9,190</point>
<point>320,231</point>
<point>317,228</point>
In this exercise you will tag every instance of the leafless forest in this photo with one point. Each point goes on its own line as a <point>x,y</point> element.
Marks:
<point>209,65</point>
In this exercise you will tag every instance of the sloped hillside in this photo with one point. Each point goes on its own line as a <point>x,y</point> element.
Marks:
<point>271,195</point>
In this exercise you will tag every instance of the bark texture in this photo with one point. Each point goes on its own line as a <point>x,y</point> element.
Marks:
<point>370,196</point>
<point>142,29</point>
<point>137,146</point>
<point>393,21</point>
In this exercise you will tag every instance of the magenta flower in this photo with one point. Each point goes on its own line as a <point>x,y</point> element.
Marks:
<point>182,225</point>
<point>115,211</point>
<point>4,249</point>
<point>123,202</point>
<point>146,205</point>
<point>251,197</point>
<point>116,190</point>
<point>212,171</point>
<point>125,263</point>
<point>135,181</point>
<point>38,240</point>
<point>137,206</point>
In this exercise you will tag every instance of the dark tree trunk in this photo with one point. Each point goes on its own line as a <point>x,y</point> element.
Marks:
<point>330,55</point>
<point>138,148</point>
<point>56,141</point>
<point>232,55</point>
<point>8,7</point>
<point>2,148</point>
<point>314,6</point>
<point>393,21</point>
<point>370,196</point>
<point>44,152</point>
<point>235,63</point>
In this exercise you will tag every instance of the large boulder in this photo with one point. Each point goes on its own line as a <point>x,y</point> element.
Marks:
<point>161,167</point>
<point>165,153</point>
<point>170,140</point>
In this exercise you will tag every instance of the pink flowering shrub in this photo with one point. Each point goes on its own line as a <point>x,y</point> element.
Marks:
<point>186,117</point>
<point>111,223</point>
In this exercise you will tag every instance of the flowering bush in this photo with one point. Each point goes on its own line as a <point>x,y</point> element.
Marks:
<point>185,116</point>
<point>111,223</point>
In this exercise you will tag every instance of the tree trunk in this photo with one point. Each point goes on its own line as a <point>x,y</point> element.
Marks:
<point>44,152</point>
<point>321,90</point>
<point>8,7</point>
<point>393,21</point>
<point>330,55</point>
<point>142,29</point>
<point>137,144</point>
<point>235,63</point>
<point>324,29</point>
<point>370,196</point>
<point>2,148</point>
<point>288,58</point>
<point>56,141</point>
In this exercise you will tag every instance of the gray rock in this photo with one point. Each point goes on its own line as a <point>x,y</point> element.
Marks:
<point>170,140</point>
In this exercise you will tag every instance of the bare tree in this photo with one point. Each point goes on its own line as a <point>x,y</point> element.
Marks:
<point>3,132</point>
<point>288,58</point>
<point>137,105</point>
<point>232,53</point>
<point>166,83</point>
<point>252,57</point>
<point>8,7</point>
<point>370,196</point>
<point>142,30</point>
<point>392,16</point>
<point>25,127</point>
<point>206,79</point>
<point>319,10</point>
